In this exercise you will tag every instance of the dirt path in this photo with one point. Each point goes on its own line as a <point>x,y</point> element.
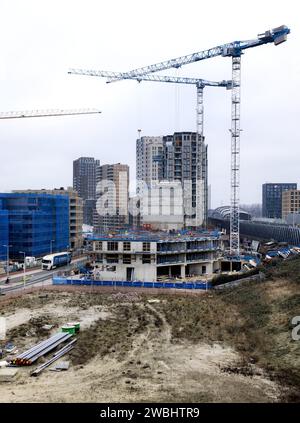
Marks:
<point>153,369</point>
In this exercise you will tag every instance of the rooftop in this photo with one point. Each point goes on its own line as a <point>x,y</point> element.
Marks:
<point>159,236</point>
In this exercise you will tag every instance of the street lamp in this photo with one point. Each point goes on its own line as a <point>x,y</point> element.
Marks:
<point>52,240</point>
<point>7,258</point>
<point>24,269</point>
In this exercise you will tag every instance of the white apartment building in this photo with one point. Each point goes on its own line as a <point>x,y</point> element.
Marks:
<point>112,195</point>
<point>179,159</point>
<point>149,159</point>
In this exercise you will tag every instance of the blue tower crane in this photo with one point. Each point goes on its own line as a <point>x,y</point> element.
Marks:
<point>198,82</point>
<point>233,49</point>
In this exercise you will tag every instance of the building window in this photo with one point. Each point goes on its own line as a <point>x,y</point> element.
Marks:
<point>126,246</point>
<point>146,246</point>
<point>111,268</point>
<point>98,258</point>
<point>98,246</point>
<point>146,259</point>
<point>112,258</point>
<point>112,246</point>
<point>126,259</point>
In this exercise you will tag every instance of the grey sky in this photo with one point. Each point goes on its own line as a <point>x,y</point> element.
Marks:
<point>40,40</point>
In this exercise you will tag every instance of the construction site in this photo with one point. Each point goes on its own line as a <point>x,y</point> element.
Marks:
<point>128,345</point>
<point>162,309</point>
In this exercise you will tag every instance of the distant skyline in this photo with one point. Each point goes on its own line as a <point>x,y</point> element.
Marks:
<point>42,40</point>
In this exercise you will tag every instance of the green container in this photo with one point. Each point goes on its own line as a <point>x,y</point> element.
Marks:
<point>68,329</point>
<point>76,324</point>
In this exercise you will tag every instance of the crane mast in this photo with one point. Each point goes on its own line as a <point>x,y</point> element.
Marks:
<point>235,157</point>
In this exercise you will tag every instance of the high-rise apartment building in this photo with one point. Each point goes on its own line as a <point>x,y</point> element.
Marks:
<point>75,212</point>
<point>185,160</point>
<point>290,203</point>
<point>112,197</point>
<point>272,198</point>
<point>181,157</point>
<point>149,159</point>
<point>84,182</point>
<point>149,171</point>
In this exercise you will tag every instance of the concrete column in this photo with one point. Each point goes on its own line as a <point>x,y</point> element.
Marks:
<point>182,271</point>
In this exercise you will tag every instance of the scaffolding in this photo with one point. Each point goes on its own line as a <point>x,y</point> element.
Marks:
<point>38,223</point>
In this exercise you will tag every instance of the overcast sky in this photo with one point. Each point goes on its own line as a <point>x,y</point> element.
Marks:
<point>40,40</point>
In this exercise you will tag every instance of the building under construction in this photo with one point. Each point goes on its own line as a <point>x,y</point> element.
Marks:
<point>75,212</point>
<point>37,224</point>
<point>150,256</point>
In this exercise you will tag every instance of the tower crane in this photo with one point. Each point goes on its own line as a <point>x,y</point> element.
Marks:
<point>277,36</point>
<point>234,50</point>
<point>46,113</point>
<point>200,84</point>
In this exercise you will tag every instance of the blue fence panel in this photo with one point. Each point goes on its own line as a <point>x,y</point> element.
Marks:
<point>138,284</point>
<point>169,285</point>
<point>58,281</point>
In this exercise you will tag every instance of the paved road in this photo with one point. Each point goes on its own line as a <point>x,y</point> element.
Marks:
<point>36,277</point>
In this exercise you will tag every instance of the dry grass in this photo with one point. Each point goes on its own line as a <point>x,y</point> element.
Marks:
<point>114,336</point>
<point>254,318</point>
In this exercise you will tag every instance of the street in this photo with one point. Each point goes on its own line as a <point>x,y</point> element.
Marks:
<point>33,277</point>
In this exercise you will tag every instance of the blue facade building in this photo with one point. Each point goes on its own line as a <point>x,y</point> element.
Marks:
<point>37,223</point>
<point>272,199</point>
<point>3,233</point>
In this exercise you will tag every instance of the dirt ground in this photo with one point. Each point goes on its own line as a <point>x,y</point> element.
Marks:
<point>129,350</point>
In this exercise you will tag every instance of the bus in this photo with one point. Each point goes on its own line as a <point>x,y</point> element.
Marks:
<point>55,260</point>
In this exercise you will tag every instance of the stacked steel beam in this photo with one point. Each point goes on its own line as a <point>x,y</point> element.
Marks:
<point>64,350</point>
<point>30,356</point>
